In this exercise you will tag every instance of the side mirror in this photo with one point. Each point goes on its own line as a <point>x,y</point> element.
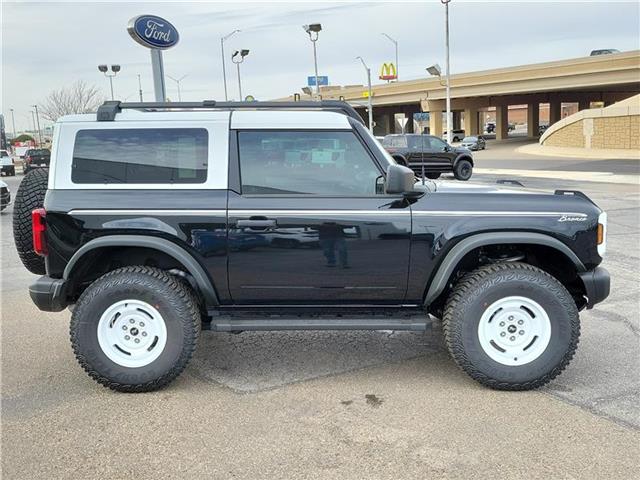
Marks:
<point>399,180</point>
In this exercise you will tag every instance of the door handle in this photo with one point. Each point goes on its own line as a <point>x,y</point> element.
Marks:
<point>257,223</point>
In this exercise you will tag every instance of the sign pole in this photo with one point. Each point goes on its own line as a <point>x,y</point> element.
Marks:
<point>157,66</point>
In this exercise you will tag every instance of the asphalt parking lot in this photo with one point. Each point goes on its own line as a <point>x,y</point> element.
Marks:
<point>336,404</point>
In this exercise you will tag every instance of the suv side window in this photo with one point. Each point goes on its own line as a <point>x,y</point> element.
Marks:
<point>437,144</point>
<point>309,162</point>
<point>140,155</point>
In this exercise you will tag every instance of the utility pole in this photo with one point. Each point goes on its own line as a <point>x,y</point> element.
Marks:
<point>448,71</point>
<point>370,94</point>
<point>38,119</point>
<point>140,88</point>
<point>224,68</point>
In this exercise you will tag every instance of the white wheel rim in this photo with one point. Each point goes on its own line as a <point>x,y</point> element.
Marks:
<point>514,331</point>
<point>132,333</point>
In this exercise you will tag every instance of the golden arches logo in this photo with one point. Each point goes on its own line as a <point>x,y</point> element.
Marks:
<point>388,72</point>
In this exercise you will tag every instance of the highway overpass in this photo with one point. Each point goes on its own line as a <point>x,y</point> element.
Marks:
<point>604,79</point>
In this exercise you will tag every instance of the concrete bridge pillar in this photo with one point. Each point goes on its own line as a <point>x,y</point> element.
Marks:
<point>471,121</point>
<point>555,111</point>
<point>502,122</point>
<point>457,120</point>
<point>584,104</point>
<point>533,119</point>
<point>435,123</point>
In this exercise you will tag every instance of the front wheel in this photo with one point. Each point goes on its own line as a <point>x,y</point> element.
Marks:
<point>511,326</point>
<point>432,175</point>
<point>463,170</point>
<point>135,329</point>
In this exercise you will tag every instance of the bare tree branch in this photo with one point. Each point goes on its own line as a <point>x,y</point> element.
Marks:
<point>76,98</point>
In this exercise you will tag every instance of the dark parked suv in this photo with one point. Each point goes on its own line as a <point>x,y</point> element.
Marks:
<point>160,220</point>
<point>429,156</point>
<point>36,158</point>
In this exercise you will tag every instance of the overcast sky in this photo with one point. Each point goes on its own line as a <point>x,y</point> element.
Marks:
<point>48,45</point>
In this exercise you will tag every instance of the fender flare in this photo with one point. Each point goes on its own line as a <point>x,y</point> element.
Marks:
<point>453,257</point>
<point>165,246</point>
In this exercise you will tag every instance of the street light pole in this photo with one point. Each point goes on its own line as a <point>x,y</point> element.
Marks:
<point>395,42</point>
<point>38,119</point>
<point>115,69</point>
<point>33,119</point>
<point>140,88</point>
<point>370,94</point>
<point>447,71</point>
<point>240,54</point>
<point>178,83</point>
<point>13,122</point>
<point>224,68</point>
<point>313,30</point>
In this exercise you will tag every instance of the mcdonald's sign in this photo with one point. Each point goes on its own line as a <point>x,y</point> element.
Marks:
<point>388,72</point>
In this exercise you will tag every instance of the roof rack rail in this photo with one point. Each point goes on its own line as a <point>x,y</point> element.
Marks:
<point>109,109</point>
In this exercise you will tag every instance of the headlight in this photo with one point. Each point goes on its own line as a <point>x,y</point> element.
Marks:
<point>602,234</point>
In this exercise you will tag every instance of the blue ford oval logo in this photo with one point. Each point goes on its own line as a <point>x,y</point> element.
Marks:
<point>153,32</point>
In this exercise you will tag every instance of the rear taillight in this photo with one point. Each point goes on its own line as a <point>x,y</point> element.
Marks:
<point>38,228</point>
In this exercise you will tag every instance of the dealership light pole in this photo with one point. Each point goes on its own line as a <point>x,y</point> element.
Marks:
<point>140,88</point>
<point>395,42</point>
<point>369,94</point>
<point>447,68</point>
<point>38,119</point>
<point>13,122</point>
<point>178,80</point>
<point>313,31</point>
<point>239,54</point>
<point>224,68</point>
<point>115,69</point>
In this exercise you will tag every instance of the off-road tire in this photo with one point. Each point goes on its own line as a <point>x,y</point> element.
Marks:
<point>173,299</point>
<point>463,170</point>
<point>479,289</point>
<point>30,196</point>
<point>433,176</point>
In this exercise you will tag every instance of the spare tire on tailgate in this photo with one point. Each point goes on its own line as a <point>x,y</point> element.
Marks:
<point>29,197</point>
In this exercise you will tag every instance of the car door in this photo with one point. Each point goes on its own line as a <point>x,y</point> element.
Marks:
<point>307,224</point>
<point>441,153</point>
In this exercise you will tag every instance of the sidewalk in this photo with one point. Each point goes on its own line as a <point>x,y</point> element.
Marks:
<point>618,154</point>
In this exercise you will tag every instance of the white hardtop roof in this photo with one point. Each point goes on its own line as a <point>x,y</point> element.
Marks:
<point>279,118</point>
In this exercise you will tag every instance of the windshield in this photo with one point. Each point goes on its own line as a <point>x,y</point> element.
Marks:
<point>3,153</point>
<point>470,139</point>
<point>41,151</point>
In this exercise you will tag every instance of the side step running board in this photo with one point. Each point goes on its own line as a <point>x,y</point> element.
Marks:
<point>230,324</point>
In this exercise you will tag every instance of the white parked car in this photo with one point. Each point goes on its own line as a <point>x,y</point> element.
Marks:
<point>7,164</point>
<point>5,195</point>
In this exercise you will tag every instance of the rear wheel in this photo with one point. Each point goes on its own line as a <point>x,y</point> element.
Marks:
<point>511,326</point>
<point>135,329</point>
<point>463,170</point>
<point>30,196</point>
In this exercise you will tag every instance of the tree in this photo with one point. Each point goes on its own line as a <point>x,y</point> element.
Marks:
<point>77,98</point>
<point>22,138</point>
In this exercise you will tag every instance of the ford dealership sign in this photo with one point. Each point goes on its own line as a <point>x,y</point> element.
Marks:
<point>153,32</point>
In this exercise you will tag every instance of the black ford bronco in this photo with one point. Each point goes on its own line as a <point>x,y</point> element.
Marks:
<point>155,221</point>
